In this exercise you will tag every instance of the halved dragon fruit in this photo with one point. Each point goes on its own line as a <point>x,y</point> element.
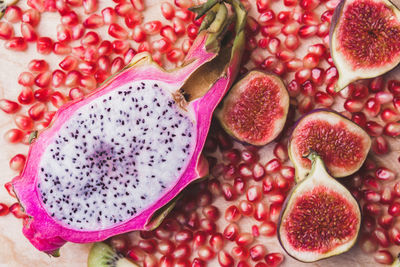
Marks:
<point>114,161</point>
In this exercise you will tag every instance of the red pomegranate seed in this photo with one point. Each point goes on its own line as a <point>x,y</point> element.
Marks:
<point>182,251</point>
<point>152,27</point>
<point>6,31</point>
<point>383,257</point>
<point>208,226</point>
<point>292,42</point>
<point>261,211</point>
<point>26,96</point>
<point>175,55</point>
<point>199,239</point>
<point>13,136</point>
<point>23,122</point>
<point>225,260</point>
<point>117,31</point>
<point>90,6</point>
<point>385,221</point>
<point>257,252</point>
<point>389,115</point>
<point>192,31</point>
<point>371,196</point>
<point>273,165</point>
<point>324,99</point>
<point>16,44</point>
<point>290,3</point>
<point>109,15</point>
<point>93,21</point>
<point>253,194</point>
<point>244,239</point>
<point>31,16</point>
<point>394,235</point>
<point>70,19</point>
<point>13,14</point>
<point>61,48</point>
<point>216,241</point>
<point>4,210</point>
<point>9,187</point>
<point>43,79</point>
<point>394,87</point>
<point>205,253</point>
<point>246,208</point>
<point>68,63</point>
<point>232,214</point>
<point>120,46</point>
<point>44,45</point>
<point>240,253</point>
<point>274,211</point>
<point>380,145</point>
<point>117,65</point>
<point>168,32</point>
<point>274,259</point>
<point>77,31</point>
<point>353,105</point>
<point>381,237</point>
<point>267,228</point>
<point>184,236</point>
<point>18,161</point>
<point>179,27</point>
<point>359,118</point>
<point>167,10</point>
<point>37,111</point>
<point>373,128</point>
<point>394,209</point>
<point>392,129</point>
<point>372,107</point>
<point>231,231</point>
<point>138,34</point>
<point>75,93</point>
<point>58,78</point>
<point>57,99</point>
<point>89,82</point>
<point>90,38</point>
<point>166,261</point>
<point>385,174</point>
<point>9,106</point>
<point>184,15</point>
<point>384,97</point>
<point>17,211</point>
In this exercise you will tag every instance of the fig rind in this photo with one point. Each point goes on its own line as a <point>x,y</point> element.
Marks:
<point>323,130</point>
<point>255,109</point>
<point>351,69</point>
<point>325,243</point>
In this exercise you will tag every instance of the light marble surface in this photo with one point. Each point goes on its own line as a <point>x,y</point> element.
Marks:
<point>15,250</point>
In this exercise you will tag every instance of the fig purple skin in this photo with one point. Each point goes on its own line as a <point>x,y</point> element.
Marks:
<point>364,39</point>
<point>341,143</point>
<point>320,218</point>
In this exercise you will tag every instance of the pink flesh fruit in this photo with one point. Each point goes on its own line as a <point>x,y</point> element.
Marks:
<point>39,187</point>
<point>342,144</point>
<point>320,217</point>
<point>255,109</point>
<point>364,39</point>
<point>320,204</point>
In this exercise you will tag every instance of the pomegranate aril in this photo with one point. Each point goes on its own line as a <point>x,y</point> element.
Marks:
<point>392,129</point>
<point>380,145</point>
<point>394,87</point>
<point>274,259</point>
<point>372,107</point>
<point>232,214</point>
<point>44,45</point>
<point>90,6</point>
<point>290,3</point>
<point>353,105</point>
<point>13,14</point>
<point>225,260</point>
<point>16,44</point>
<point>373,128</point>
<point>13,136</point>
<point>4,210</point>
<point>216,242</point>
<point>18,161</point>
<point>31,16</point>
<point>394,209</point>
<point>94,21</point>
<point>394,235</point>
<point>17,211</point>
<point>117,31</point>
<point>231,231</point>
<point>6,31</point>
<point>385,174</point>
<point>383,257</point>
<point>292,42</point>
<point>61,48</point>
<point>9,106</point>
<point>167,10</point>
<point>244,239</point>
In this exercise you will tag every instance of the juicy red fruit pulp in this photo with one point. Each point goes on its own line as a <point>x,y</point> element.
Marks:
<point>320,221</point>
<point>334,143</point>
<point>369,34</point>
<point>251,116</point>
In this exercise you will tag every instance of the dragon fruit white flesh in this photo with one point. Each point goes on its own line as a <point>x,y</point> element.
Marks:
<point>115,160</point>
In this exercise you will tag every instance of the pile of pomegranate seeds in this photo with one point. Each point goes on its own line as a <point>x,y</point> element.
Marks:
<point>232,218</point>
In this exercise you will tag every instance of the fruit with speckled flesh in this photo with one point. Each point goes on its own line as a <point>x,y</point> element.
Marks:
<point>320,217</point>
<point>364,39</point>
<point>255,109</point>
<point>342,144</point>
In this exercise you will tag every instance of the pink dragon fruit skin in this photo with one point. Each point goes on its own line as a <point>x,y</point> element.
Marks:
<point>47,233</point>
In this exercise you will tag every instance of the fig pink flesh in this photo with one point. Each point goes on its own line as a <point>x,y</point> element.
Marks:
<point>250,116</point>
<point>321,213</point>
<point>369,34</point>
<point>336,145</point>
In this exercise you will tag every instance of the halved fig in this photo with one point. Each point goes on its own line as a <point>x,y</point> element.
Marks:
<point>342,144</point>
<point>255,109</point>
<point>364,39</point>
<point>320,217</point>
